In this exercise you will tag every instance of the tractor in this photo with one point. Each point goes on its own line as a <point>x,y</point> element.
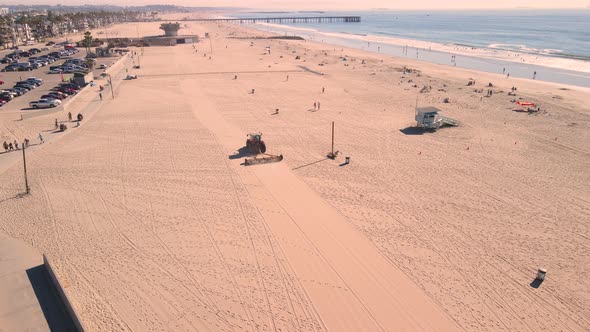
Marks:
<point>255,144</point>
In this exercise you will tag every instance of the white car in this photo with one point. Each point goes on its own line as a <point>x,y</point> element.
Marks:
<point>45,103</point>
<point>55,71</point>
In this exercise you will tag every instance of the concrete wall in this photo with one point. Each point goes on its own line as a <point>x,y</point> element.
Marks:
<point>62,294</point>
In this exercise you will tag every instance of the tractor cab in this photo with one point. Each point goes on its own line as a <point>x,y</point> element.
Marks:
<point>255,137</point>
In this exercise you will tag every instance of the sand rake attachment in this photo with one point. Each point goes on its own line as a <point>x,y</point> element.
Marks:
<point>263,159</point>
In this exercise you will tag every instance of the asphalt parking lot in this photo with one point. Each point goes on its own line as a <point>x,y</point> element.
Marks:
<point>50,80</point>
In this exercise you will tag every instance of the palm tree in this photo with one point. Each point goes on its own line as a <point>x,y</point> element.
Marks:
<point>87,41</point>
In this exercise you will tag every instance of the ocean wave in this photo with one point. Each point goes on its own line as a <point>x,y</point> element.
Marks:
<point>526,49</point>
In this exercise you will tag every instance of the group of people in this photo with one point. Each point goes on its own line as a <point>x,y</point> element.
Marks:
<point>316,106</point>
<point>10,146</point>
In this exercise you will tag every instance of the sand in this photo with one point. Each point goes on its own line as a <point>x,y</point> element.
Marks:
<point>155,224</point>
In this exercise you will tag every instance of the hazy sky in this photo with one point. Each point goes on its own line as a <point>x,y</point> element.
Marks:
<point>332,4</point>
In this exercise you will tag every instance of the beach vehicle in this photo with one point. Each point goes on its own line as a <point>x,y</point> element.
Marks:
<point>429,118</point>
<point>256,147</point>
<point>45,103</point>
<point>255,144</point>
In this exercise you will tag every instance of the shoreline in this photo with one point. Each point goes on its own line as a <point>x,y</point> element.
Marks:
<point>550,69</point>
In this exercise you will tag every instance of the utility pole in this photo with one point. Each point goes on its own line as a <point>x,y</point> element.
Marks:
<point>332,155</point>
<point>111,84</point>
<point>138,40</point>
<point>332,137</point>
<point>27,189</point>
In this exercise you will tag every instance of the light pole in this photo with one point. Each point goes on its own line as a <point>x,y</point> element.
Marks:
<point>111,84</point>
<point>27,189</point>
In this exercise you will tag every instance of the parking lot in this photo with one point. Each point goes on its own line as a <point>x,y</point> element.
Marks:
<point>50,80</point>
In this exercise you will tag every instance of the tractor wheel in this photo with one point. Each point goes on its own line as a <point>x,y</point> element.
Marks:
<point>262,147</point>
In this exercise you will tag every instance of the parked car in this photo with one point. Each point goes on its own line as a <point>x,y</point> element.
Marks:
<point>55,71</point>
<point>50,43</point>
<point>24,66</point>
<point>25,54</point>
<point>32,83</point>
<point>11,67</point>
<point>27,86</point>
<point>69,86</point>
<point>35,80</point>
<point>66,91</point>
<point>51,96</point>
<point>16,92</point>
<point>21,88</point>
<point>45,103</point>
<point>6,96</point>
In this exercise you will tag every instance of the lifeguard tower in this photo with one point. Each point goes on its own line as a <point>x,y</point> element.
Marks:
<point>170,29</point>
<point>429,118</point>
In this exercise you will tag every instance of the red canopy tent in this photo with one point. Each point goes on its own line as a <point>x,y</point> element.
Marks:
<point>525,103</point>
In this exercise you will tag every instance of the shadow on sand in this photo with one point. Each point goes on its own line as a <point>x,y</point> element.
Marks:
<point>312,163</point>
<point>536,283</point>
<point>52,306</point>
<point>242,153</point>
<point>412,131</point>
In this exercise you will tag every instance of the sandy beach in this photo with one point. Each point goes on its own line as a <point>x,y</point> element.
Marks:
<point>155,224</point>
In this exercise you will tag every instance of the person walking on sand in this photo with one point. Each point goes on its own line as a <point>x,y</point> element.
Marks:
<point>323,89</point>
<point>535,75</point>
<point>318,105</point>
<point>100,95</point>
<point>314,105</point>
<point>70,116</point>
<point>10,146</point>
<point>16,145</point>
<point>5,146</point>
<point>56,124</point>
<point>41,138</point>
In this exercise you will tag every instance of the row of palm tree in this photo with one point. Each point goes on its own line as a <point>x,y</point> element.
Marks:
<point>53,24</point>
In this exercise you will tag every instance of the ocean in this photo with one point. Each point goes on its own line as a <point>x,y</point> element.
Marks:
<point>561,34</point>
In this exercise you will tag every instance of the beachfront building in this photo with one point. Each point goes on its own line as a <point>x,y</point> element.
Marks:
<point>171,36</point>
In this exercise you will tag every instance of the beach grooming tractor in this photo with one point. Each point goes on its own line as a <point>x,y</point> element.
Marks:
<point>257,149</point>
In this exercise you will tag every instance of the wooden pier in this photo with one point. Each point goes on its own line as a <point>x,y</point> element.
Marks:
<point>308,19</point>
